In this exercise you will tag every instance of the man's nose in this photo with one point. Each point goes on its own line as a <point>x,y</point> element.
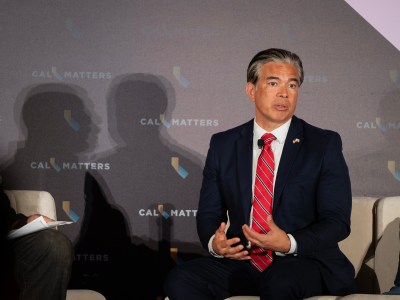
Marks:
<point>282,92</point>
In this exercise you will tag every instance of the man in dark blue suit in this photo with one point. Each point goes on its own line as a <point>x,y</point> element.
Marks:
<point>311,201</point>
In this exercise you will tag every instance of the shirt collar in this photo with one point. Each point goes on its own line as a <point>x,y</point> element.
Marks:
<point>280,133</point>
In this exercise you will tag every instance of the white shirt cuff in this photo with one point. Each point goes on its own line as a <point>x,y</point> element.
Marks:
<point>210,249</point>
<point>293,247</point>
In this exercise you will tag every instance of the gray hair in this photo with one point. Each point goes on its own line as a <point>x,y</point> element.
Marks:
<point>273,55</point>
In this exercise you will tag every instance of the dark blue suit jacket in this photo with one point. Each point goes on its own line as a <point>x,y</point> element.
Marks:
<point>312,198</point>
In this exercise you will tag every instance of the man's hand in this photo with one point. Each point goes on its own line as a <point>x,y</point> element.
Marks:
<point>276,239</point>
<point>35,216</point>
<point>223,246</point>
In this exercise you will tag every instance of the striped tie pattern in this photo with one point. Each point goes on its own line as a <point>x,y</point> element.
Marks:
<point>262,204</point>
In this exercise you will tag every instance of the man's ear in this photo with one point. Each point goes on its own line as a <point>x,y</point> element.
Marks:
<point>250,91</point>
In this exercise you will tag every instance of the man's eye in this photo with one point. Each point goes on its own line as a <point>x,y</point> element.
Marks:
<point>293,85</point>
<point>272,83</point>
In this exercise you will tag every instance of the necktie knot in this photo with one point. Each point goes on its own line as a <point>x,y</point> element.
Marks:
<point>268,138</point>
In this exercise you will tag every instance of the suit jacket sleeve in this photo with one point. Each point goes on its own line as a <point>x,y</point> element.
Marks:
<point>210,211</point>
<point>9,218</point>
<point>329,218</point>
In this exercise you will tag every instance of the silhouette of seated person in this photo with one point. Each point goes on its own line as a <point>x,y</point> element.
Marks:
<point>141,180</point>
<point>58,130</point>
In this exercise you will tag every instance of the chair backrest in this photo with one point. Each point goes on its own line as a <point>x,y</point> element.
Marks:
<point>29,202</point>
<point>84,295</point>
<point>373,245</point>
<point>387,241</point>
<point>357,245</point>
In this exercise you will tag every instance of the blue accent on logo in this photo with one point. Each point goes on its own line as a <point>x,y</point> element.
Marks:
<point>182,80</point>
<point>394,76</point>
<point>164,122</point>
<point>74,125</point>
<point>73,216</point>
<point>66,205</point>
<point>55,73</point>
<point>182,172</point>
<point>382,127</point>
<point>76,33</point>
<point>162,212</point>
<point>72,122</point>
<point>392,169</point>
<point>54,164</point>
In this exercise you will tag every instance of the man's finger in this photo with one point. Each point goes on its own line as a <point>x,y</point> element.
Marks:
<point>270,222</point>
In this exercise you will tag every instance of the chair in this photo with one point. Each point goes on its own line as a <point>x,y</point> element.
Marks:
<point>387,241</point>
<point>373,248</point>
<point>29,202</point>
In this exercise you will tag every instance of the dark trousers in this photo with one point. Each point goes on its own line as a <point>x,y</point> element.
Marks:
<point>397,279</point>
<point>39,266</point>
<point>215,278</point>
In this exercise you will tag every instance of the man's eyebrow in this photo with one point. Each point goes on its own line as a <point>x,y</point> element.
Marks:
<point>277,78</point>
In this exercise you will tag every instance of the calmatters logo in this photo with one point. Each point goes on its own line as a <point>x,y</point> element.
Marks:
<point>166,214</point>
<point>178,122</point>
<point>381,125</point>
<point>55,73</point>
<point>52,164</point>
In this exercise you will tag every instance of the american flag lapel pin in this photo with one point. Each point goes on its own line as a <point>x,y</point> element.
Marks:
<point>296,141</point>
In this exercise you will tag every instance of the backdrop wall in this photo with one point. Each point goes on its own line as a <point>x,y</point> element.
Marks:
<point>110,105</point>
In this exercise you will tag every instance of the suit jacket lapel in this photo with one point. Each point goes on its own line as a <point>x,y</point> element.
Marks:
<point>244,150</point>
<point>293,142</point>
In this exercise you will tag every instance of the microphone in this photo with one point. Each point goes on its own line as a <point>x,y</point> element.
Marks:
<point>260,143</point>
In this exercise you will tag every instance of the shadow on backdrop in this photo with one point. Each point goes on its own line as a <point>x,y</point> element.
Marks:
<point>140,211</point>
<point>54,123</point>
<point>383,162</point>
<point>58,131</point>
<point>106,259</point>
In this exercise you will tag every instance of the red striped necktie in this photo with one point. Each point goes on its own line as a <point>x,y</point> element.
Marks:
<point>262,203</point>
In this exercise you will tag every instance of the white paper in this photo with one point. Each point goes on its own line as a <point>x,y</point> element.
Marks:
<point>36,225</point>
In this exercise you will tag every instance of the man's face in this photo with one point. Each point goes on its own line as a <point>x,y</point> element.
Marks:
<point>275,95</point>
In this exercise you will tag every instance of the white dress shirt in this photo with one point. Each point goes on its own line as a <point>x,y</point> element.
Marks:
<point>277,146</point>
